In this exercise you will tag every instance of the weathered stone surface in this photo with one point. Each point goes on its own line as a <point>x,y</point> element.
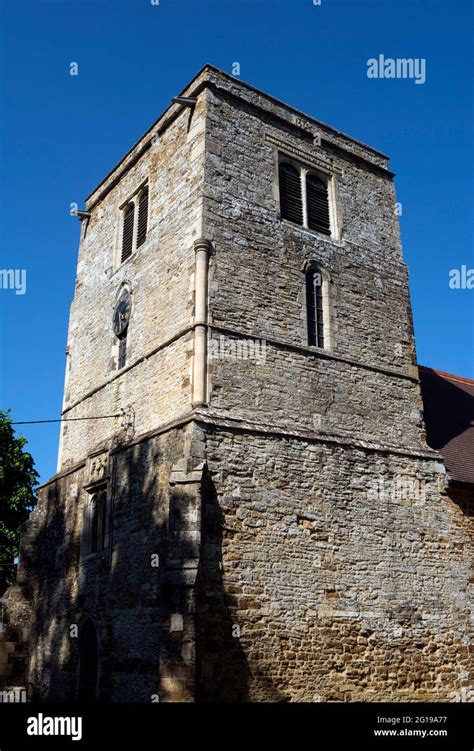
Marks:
<point>359,596</point>
<point>293,538</point>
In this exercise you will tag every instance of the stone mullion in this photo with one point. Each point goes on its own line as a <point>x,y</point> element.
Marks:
<point>303,174</point>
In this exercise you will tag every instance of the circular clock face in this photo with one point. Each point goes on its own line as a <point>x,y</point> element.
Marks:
<point>122,313</point>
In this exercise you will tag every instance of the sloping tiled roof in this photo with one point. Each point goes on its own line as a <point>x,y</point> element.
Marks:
<point>449,417</point>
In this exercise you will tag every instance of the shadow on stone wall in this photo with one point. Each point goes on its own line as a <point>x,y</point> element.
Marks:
<point>39,589</point>
<point>143,655</point>
<point>223,671</point>
<point>64,591</point>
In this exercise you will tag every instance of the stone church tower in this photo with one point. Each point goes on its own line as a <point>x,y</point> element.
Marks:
<point>245,506</point>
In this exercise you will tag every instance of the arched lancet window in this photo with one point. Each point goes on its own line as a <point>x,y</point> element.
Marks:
<point>317,201</point>
<point>94,522</point>
<point>315,306</point>
<point>122,350</point>
<point>88,662</point>
<point>98,503</point>
<point>127,231</point>
<point>142,216</point>
<point>291,201</point>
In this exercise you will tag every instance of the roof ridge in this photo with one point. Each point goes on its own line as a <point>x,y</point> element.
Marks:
<point>451,376</point>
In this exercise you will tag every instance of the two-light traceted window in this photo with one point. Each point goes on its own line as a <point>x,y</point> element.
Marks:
<point>304,197</point>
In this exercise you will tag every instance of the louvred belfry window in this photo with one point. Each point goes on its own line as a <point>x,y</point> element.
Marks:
<point>291,202</point>
<point>127,232</point>
<point>142,217</point>
<point>317,204</point>
<point>305,197</point>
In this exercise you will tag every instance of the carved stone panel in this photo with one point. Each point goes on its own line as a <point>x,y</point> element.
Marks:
<point>97,468</point>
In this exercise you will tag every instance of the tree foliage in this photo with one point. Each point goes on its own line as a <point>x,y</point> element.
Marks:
<point>18,484</point>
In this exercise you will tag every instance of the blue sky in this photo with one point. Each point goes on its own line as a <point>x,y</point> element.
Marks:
<point>60,135</point>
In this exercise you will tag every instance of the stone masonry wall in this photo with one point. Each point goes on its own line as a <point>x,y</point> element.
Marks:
<point>132,598</point>
<point>160,275</point>
<point>344,571</point>
<point>365,385</point>
<point>337,582</point>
